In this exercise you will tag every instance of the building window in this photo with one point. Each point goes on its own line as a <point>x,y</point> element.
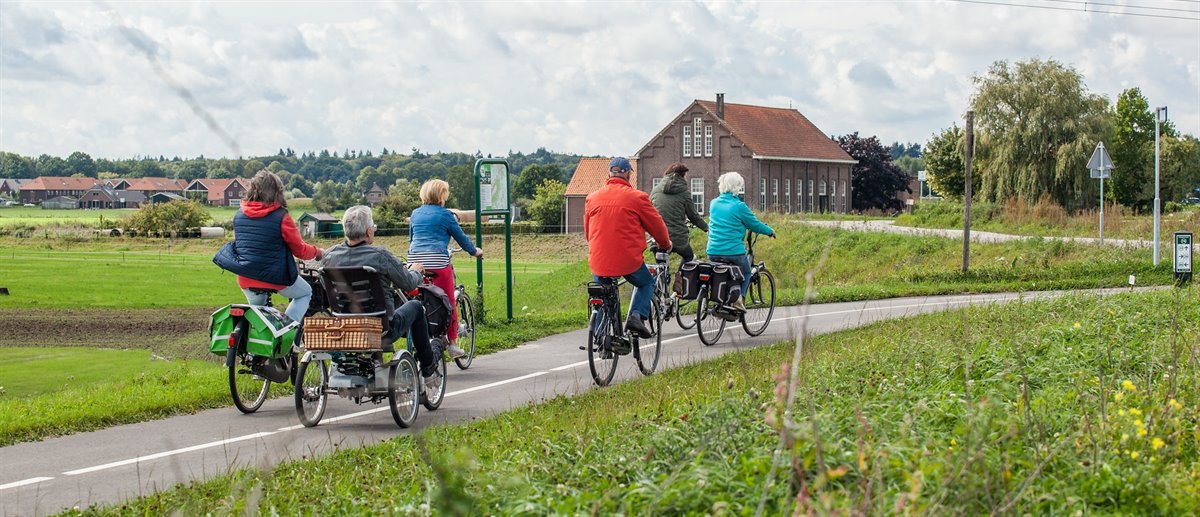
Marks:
<point>799,195</point>
<point>787,196</point>
<point>762,193</point>
<point>845,198</point>
<point>696,136</point>
<point>775,193</point>
<point>687,141</point>
<point>698,194</point>
<point>654,183</point>
<point>708,141</point>
<point>812,193</point>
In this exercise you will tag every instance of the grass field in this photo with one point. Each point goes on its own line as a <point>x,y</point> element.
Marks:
<point>156,294</point>
<point>1081,405</point>
<point>1047,219</point>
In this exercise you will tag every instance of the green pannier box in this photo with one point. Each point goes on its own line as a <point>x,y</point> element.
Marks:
<point>271,332</point>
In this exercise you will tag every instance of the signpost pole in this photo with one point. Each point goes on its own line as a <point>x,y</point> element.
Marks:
<point>1160,115</point>
<point>970,155</point>
<point>1101,167</point>
<point>478,240</point>
<point>1101,210</point>
<point>508,245</point>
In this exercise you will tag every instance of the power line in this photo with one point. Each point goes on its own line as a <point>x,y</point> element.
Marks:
<point>1071,9</point>
<point>1126,6</point>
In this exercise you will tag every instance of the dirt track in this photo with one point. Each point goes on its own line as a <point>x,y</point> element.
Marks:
<point>174,333</point>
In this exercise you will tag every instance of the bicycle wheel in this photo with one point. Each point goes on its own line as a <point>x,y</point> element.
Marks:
<point>709,326</point>
<point>432,397</point>
<point>312,379</point>
<point>601,359</point>
<point>404,388</point>
<point>248,389</point>
<point>686,322</point>
<point>466,330</point>
<point>648,354</point>
<point>760,303</point>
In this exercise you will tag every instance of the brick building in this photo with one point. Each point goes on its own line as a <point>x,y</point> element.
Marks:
<point>788,163</point>
<point>590,175</point>
<point>46,187</point>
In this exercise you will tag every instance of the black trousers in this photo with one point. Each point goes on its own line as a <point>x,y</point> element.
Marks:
<point>409,320</point>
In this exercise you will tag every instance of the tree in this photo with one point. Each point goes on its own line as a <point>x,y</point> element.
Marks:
<point>13,165</point>
<point>1131,146</point>
<point>168,219</point>
<point>875,179</point>
<point>1179,167</point>
<point>548,202</point>
<point>401,200</point>
<point>251,168</point>
<point>325,196</point>
<point>80,162</point>
<point>944,165</point>
<point>462,187</point>
<point>370,176</point>
<point>532,177</point>
<point>51,166</point>
<point>1038,124</point>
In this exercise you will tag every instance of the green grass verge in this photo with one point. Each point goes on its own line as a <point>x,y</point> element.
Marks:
<point>1047,219</point>
<point>1077,405</point>
<point>41,371</point>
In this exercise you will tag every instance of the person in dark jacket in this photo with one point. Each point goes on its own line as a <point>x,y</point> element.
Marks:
<point>266,239</point>
<point>409,318</point>
<point>673,200</point>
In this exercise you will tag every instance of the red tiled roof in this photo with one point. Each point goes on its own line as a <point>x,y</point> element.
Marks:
<point>216,187</point>
<point>156,184</point>
<point>778,132</point>
<point>60,183</point>
<point>590,175</point>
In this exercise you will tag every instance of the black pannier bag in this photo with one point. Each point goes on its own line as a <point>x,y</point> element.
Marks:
<point>726,282</point>
<point>688,282</point>
<point>437,308</point>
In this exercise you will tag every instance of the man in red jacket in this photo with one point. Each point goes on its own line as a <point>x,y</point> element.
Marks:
<point>615,221</point>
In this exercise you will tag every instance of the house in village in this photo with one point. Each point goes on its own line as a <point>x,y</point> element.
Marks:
<point>150,186</point>
<point>9,187</point>
<point>104,196</point>
<point>590,174</point>
<point>46,187</point>
<point>217,192</point>
<point>163,197</point>
<point>788,163</point>
<point>374,195</point>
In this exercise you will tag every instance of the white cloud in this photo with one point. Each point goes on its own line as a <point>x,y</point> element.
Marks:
<point>593,78</point>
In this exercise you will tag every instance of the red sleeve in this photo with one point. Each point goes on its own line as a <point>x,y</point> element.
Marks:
<point>653,222</point>
<point>291,235</point>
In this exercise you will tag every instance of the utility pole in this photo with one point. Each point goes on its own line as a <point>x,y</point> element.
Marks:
<point>969,155</point>
<point>1160,115</point>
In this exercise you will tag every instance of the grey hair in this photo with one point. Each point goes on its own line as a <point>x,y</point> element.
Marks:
<point>732,183</point>
<point>356,221</point>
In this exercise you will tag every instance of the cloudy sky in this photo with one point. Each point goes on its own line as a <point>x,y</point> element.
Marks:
<point>120,79</point>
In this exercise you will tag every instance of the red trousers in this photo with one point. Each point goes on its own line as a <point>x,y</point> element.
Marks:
<point>445,280</point>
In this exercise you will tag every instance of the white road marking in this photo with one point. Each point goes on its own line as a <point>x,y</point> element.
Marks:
<point>208,445</point>
<point>23,482</point>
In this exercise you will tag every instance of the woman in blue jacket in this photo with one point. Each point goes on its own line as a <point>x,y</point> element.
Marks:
<point>728,221</point>
<point>430,230</point>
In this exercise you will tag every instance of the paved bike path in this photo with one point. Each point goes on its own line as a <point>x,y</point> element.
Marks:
<point>114,464</point>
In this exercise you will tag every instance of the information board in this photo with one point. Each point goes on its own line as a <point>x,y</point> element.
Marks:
<point>493,187</point>
<point>1183,253</point>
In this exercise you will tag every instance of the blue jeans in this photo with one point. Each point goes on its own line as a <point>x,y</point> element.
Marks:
<point>299,293</point>
<point>741,261</point>
<point>643,283</point>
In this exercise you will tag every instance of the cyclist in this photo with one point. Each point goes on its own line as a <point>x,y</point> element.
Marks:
<point>615,222</point>
<point>673,200</point>
<point>729,219</point>
<point>430,230</point>
<point>265,239</point>
<point>407,319</point>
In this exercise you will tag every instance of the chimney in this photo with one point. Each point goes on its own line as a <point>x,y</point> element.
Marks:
<point>721,106</point>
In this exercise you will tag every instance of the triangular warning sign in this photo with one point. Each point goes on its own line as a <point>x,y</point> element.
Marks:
<point>1100,164</point>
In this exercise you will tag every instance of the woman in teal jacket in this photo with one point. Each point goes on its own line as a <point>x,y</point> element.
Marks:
<point>728,221</point>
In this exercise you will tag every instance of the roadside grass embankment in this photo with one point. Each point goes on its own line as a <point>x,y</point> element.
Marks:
<point>127,293</point>
<point>1047,219</point>
<point>1081,404</point>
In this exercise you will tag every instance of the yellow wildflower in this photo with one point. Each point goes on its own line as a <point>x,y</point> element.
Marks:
<point>1157,443</point>
<point>1124,436</point>
<point>1128,386</point>
<point>1141,431</point>
<point>1135,412</point>
<point>1175,404</point>
<point>1118,397</point>
<point>1077,325</point>
<point>953,441</point>
<point>1134,454</point>
<point>1121,412</point>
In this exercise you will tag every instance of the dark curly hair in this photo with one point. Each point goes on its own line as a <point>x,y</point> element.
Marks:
<point>677,168</point>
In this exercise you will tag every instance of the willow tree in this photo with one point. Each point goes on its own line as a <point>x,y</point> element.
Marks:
<point>1038,124</point>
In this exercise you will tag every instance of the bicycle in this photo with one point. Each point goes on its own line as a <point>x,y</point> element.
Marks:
<point>672,306</point>
<point>607,337</point>
<point>759,298</point>
<point>252,363</point>
<point>466,322</point>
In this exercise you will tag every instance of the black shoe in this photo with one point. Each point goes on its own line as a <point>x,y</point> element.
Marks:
<point>637,326</point>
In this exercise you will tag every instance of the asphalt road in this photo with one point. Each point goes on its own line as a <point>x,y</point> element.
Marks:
<point>114,464</point>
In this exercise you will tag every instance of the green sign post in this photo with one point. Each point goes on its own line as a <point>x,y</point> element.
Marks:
<point>1183,257</point>
<point>492,198</point>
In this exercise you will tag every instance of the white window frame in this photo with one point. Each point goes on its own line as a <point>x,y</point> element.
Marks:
<point>687,141</point>
<point>762,193</point>
<point>812,196</point>
<point>775,193</point>
<point>697,189</point>
<point>654,183</point>
<point>799,195</point>
<point>845,198</point>
<point>696,137</point>
<point>787,196</point>
<point>708,141</point>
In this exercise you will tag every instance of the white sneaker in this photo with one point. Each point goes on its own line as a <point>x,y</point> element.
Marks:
<point>433,382</point>
<point>456,352</point>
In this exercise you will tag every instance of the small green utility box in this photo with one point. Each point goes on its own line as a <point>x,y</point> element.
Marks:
<point>270,332</point>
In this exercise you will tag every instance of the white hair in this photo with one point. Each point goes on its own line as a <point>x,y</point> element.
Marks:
<point>732,183</point>
<point>356,221</point>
